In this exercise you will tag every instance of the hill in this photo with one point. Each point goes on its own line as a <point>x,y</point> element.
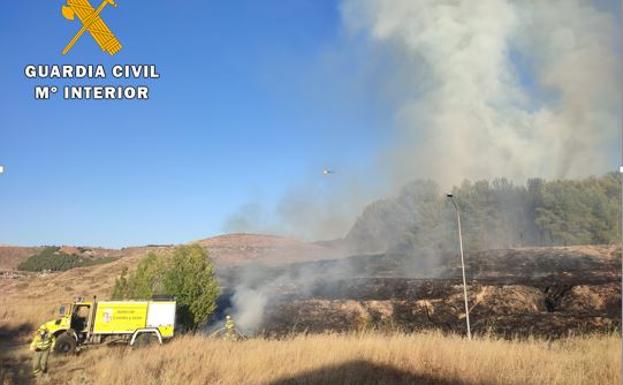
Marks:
<point>11,256</point>
<point>236,249</point>
<point>225,250</point>
<point>31,297</point>
<point>549,290</point>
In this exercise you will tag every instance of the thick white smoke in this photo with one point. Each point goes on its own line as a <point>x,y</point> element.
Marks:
<point>248,307</point>
<point>499,88</point>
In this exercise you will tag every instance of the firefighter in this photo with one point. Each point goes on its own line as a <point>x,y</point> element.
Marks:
<point>41,345</point>
<point>230,329</point>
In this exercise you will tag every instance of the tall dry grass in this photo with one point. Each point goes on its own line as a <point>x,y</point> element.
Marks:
<point>429,358</point>
<point>34,298</point>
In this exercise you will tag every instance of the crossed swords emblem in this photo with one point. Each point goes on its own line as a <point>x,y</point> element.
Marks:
<point>91,22</point>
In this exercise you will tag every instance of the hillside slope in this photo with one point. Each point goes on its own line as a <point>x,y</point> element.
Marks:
<point>228,249</point>
<point>546,290</point>
<point>30,297</point>
<point>11,256</point>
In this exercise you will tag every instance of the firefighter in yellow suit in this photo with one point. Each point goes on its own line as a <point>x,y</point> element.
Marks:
<point>230,329</point>
<point>41,345</point>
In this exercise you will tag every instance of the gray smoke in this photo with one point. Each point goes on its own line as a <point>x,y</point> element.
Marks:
<point>499,88</point>
<point>322,209</point>
<point>255,287</point>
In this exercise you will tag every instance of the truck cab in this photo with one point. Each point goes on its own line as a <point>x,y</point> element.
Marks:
<point>73,319</point>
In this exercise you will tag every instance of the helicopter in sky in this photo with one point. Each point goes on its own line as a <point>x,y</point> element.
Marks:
<point>328,171</point>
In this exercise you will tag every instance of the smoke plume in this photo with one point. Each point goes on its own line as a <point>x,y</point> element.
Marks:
<point>479,90</point>
<point>499,88</point>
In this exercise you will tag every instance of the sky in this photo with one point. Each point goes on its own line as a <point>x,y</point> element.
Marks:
<point>254,100</point>
<point>250,99</point>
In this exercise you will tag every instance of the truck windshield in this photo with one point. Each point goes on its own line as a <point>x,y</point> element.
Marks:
<point>62,310</point>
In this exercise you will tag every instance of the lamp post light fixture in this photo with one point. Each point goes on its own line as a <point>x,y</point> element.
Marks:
<point>458,221</point>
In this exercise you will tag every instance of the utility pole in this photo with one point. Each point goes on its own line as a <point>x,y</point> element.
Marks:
<point>458,220</point>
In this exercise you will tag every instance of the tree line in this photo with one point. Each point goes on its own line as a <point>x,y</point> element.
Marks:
<point>495,214</point>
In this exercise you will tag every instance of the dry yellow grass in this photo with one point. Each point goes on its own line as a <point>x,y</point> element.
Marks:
<point>34,298</point>
<point>364,359</point>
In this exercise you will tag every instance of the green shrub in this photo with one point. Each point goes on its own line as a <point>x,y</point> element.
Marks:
<point>187,274</point>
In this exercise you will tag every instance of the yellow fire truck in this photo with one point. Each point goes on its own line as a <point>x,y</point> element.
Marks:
<point>92,322</point>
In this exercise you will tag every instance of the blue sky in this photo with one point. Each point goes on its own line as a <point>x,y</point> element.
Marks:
<point>253,96</point>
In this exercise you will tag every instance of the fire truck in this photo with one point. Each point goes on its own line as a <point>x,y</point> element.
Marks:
<point>93,322</point>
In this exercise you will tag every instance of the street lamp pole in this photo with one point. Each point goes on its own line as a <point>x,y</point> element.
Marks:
<point>458,220</point>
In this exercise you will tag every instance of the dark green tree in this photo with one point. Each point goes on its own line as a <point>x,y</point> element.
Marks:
<point>187,274</point>
<point>190,277</point>
<point>494,214</point>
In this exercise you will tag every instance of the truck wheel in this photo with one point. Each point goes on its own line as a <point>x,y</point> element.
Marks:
<point>65,344</point>
<point>146,339</point>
